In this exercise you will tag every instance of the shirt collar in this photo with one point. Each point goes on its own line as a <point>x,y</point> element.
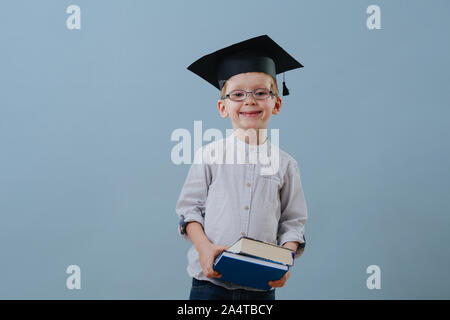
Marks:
<point>247,147</point>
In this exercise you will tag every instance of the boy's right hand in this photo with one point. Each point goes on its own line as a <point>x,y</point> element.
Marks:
<point>207,253</point>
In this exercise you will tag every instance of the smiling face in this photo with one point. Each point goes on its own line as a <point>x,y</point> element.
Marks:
<point>249,113</point>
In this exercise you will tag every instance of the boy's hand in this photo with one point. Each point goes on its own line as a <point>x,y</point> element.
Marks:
<point>293,245</point>
<point>207,253</point>
<point>281,282</point>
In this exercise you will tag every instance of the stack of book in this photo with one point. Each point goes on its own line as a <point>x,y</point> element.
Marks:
<point>253,263</point>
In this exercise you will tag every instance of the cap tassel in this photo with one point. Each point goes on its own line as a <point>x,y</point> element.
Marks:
<point>285,89</point>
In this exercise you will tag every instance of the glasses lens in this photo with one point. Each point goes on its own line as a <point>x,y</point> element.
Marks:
<point>261,93</point>
<point>238,95</point>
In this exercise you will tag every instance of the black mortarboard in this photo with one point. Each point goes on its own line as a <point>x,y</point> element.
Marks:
<point>260,54</point>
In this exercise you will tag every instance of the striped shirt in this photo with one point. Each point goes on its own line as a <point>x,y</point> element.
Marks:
<point>242,198</point>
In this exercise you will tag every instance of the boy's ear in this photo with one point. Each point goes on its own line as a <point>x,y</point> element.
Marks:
<point>222,110</point>
<point>277,107</point>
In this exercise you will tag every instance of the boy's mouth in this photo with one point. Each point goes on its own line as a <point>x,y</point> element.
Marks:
<point>250,114</point>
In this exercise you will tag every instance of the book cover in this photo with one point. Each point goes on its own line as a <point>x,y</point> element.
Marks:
<point>260,249</point>
<point>248,271</point>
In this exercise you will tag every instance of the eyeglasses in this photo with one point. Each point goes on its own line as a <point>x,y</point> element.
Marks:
<point>258,94</point>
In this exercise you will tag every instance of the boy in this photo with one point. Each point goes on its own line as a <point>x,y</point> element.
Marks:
<point>220,202</point>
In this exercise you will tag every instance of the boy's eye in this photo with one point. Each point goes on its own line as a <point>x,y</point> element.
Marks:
<point>261,93</point>
<point>237,94</point>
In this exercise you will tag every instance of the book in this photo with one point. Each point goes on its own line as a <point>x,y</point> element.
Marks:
<point>265,250</point>
<point>247,270</point>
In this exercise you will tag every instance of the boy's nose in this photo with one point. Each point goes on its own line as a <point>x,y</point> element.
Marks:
<point>249,98</point>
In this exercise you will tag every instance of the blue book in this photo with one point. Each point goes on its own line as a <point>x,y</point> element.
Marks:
<point>248,270</point>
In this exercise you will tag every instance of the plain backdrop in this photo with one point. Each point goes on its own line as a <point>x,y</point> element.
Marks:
<point>86,118</point>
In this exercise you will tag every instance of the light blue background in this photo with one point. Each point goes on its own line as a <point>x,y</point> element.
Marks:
<point>86,118</point>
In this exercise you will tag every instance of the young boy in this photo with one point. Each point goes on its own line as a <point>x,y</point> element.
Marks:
<point>220,202</point>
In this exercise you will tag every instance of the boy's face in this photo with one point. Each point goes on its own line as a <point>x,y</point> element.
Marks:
<point>249,113</point>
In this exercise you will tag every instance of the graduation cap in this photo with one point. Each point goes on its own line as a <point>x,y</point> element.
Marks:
<point>259,54</point>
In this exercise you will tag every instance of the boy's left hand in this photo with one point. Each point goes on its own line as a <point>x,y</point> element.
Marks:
<point>281,282</point>
<point>293,245</point>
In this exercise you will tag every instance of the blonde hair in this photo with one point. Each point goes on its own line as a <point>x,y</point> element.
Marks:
<point>273,86</point>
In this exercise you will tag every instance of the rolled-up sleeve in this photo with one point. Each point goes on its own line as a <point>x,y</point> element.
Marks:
<point>291,226</point>
<point>191,203</point>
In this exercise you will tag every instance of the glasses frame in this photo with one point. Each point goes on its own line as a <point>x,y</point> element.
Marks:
<point>247,93</point>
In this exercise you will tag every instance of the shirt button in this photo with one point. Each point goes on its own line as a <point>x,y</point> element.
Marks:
<point>246,207</point>
<point>248,184</point>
